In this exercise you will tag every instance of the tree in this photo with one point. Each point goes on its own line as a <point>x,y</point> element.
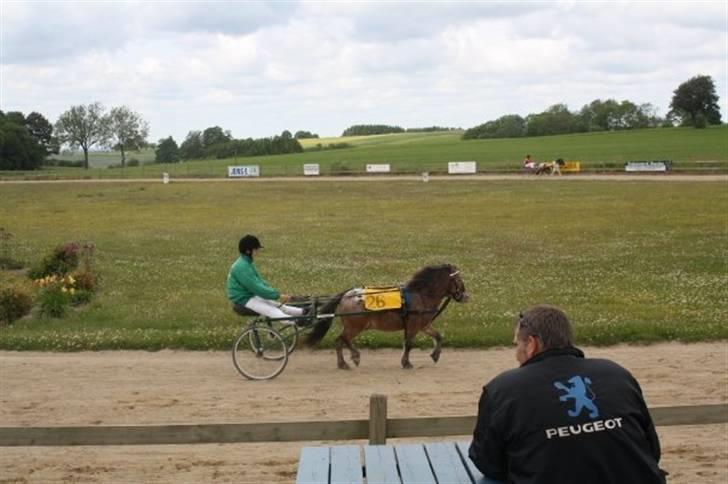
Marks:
<point>42,131</point>
<point>696,102</point>
<point>215,135</point>
<point>508,126</point>
<point>305,135</point>
<point>192,147</point>
<point>555,120</point>
<point>167,151</point>
<point>83,126</point>
<point>127,130</point>
<point>19,150</point>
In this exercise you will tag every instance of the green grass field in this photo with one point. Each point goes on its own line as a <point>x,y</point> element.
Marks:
<point>689,149</point>
<point>628,261</point>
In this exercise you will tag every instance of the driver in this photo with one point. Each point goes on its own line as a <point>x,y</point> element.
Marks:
<point>246,289</point>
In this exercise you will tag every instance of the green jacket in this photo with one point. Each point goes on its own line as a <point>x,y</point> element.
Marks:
<point>244,282</point>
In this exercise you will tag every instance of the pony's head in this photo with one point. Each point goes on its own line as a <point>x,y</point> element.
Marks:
<point>457,286</point>
<point>439,281</point>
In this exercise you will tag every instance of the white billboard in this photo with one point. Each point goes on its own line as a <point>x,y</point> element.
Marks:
<point>311,169</point>
<point>645,166</point>
<point>462,167</point>
<point>378,168</point>
<point>243,171</point>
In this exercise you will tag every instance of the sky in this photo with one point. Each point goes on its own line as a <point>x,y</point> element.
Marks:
<point>258,68</point>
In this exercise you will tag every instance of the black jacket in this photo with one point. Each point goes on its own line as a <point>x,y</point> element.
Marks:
<point>561,418</point>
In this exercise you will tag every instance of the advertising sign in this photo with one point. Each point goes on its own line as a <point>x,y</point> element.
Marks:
<point>243,171</point>
<point>462,167</point>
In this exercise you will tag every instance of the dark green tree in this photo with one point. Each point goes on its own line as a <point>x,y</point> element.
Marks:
<point>555,120</point>
<point>696,102</point>
<point>508,126</point>
<point>192,147</point>
<point>19,150</point>
<point>42,131</point>
<point>83,126</point>
<point>215,135</point>
<point>167,151</point>
<point>305,135</point>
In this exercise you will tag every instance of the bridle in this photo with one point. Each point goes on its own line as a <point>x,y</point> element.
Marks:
<point>459,292</point>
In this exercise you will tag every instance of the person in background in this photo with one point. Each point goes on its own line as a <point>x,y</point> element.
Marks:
<point>246,289</point>
<point>528,163</point>
<point>561,417</point>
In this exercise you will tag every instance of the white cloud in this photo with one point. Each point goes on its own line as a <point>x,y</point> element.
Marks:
<point>259,68</point>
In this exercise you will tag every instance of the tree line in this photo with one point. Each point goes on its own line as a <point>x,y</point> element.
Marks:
<point>214,142</point>
<point>27,141</point>
<point>694,103</point>
<point>372,129</point>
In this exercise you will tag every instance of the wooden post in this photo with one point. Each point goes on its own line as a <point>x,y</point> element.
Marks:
<point>377,419</point>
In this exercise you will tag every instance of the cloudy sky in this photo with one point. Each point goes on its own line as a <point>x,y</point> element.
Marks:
<point>257,68</point>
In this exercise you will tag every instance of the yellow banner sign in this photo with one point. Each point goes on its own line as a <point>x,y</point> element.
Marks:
<point>382,298</point>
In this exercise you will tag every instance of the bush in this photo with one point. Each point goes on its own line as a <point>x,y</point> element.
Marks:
<point>14,304</point>
<point>133,162</point>
<point>61,261</point>
<point>58,292</point>
<point>53,302</point>
<point>85,280</point>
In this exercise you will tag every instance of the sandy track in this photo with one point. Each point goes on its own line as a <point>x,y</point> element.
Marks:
<point>131,387</point>
<point>436,178</point>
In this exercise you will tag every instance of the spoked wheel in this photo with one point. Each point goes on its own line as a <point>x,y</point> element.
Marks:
<point>260,353</point>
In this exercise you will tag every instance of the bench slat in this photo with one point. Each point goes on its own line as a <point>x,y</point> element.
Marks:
<point>463,447</point>
<point>313,466</point>
<point>446,463</point>
<point>381,464</point>
<point>413,464</point>
<point>346,465</point>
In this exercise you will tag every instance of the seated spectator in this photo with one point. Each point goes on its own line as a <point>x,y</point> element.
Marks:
<point>561,417</point>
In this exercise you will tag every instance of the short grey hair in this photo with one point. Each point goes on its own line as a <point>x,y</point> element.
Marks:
<point>547,323</point>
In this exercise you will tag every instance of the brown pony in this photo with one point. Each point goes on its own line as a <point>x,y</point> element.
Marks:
<point>425,296</point>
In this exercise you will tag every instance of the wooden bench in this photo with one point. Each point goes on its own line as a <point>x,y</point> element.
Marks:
<point>436,462</point>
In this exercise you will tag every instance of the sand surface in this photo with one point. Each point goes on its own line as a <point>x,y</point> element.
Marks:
<point>135,387</point>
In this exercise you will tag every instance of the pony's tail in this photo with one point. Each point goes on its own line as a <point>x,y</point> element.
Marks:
<point>322,325</point>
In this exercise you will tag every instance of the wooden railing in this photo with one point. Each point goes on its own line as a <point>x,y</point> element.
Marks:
<point>376,429</point>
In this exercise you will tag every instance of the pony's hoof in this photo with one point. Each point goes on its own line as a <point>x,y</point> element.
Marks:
<point>356,361</point>
<point>435,357</point>
<point>344,366</point>
<point>407,366</point>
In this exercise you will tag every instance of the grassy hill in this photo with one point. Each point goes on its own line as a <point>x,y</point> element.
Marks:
<point>688,148</point>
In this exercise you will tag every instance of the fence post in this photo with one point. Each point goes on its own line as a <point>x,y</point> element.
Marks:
<point>377,419</point>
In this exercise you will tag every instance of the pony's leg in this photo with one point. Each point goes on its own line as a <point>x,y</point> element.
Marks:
<point>436,340</point>
<point>408,343</point>
<point>340,343</point>
<point>347,337</point>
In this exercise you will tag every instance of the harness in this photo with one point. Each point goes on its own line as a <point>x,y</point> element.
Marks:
<point>405,311</point>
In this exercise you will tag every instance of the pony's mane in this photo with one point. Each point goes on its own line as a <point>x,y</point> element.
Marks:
<point>426,277</point>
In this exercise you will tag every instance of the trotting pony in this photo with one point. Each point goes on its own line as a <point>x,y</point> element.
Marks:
<point>425,296</point>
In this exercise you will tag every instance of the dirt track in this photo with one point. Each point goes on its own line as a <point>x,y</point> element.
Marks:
<point>436,178</point>
<point>106,388</point>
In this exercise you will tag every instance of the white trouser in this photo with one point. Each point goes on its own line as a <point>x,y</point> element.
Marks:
<point>272,309</point>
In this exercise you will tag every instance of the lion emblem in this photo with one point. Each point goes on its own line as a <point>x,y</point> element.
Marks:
<point>577,390</point>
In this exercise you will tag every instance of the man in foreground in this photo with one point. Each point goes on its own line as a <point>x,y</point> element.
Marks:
<point>562,418</point>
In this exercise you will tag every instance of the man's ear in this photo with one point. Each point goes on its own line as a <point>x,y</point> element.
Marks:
<point>533,346</point>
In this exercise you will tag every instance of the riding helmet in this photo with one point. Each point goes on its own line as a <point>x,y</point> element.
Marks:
<point>248,243</point>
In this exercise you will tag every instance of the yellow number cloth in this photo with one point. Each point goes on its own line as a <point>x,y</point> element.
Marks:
<point>381,298</point>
